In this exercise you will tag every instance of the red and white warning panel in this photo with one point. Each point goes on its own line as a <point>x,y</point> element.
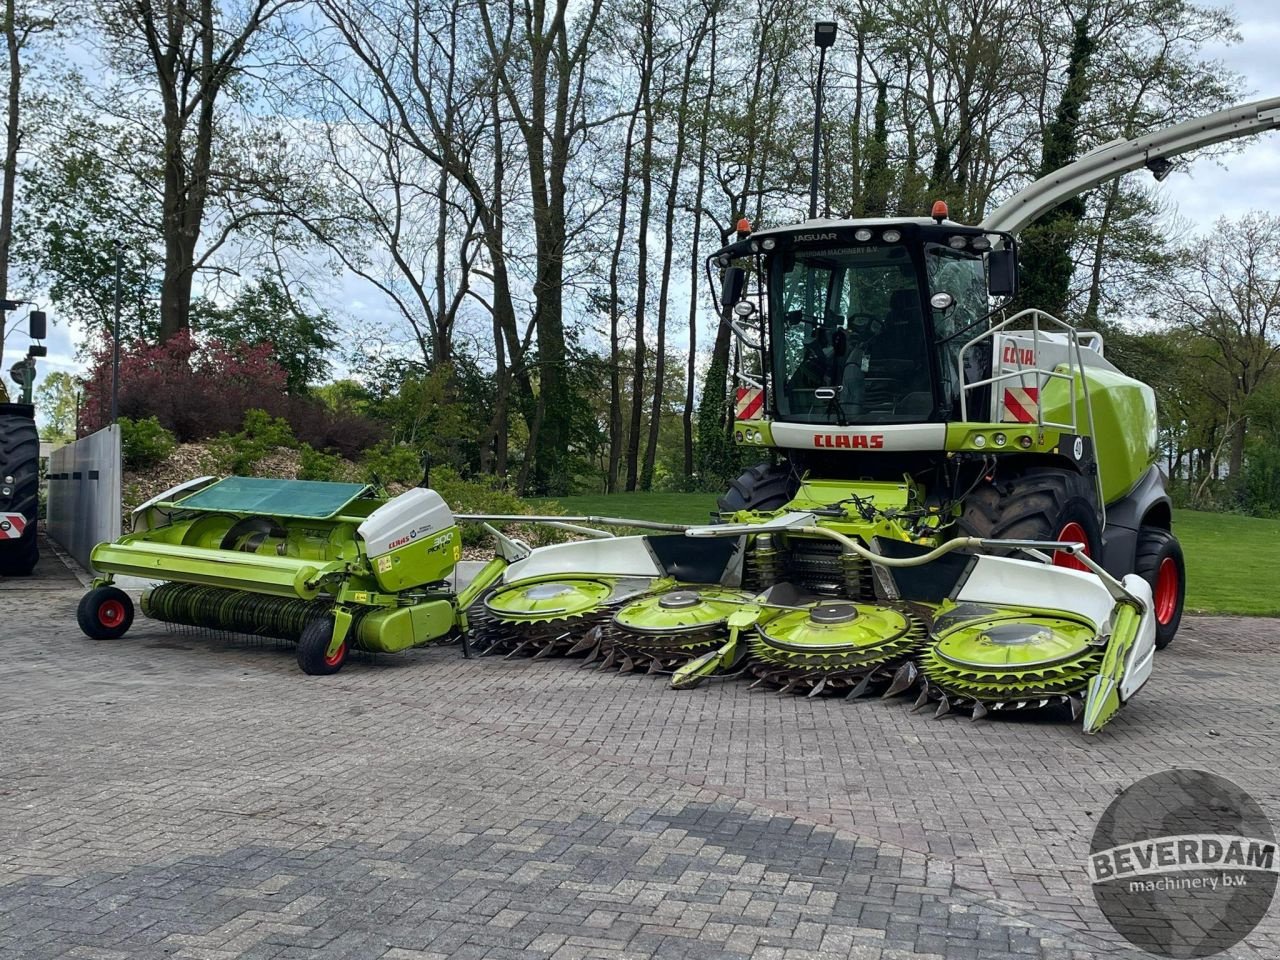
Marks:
<point>12,525</point>
<point>749,403</point>
<point>1020,404</point>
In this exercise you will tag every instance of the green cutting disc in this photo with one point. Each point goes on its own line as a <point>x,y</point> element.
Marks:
<point>549,599</point>
<point>1017,644</point>
<point>679,610</point>
<point>835,627</point>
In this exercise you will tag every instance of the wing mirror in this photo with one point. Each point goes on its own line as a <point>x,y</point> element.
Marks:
<point>1002,272</point>
<point>732,283</point>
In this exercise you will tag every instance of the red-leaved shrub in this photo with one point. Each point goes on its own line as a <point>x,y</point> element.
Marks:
<point>195,387</point>
<point>201,387</point>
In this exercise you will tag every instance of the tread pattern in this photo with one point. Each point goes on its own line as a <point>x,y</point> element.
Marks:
<point>1031,506</point>
<point>20,459</point>
<point>766,486</point>
<point>1153,546</point>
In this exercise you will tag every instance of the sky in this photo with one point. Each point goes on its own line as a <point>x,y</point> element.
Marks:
<point>1245,179</point>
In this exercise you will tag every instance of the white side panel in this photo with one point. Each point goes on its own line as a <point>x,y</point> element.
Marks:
<point>415,513</point>
<point>619,556</point>
<point>1137,667</point>
<point>819,436</point>
<point>141,515</point>
<point>1003,581</point>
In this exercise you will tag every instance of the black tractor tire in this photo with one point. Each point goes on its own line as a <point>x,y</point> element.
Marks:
<point>1159,562</point>
<point>105,613</point>
<point>20,459</point>
<point>314,643</point>
<point>1038,504</point>
<point>766,486</point>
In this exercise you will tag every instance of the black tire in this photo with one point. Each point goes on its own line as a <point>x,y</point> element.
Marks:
<point>1040,504</point>
<point>19,459</point>
<point>313,644</point>
<point>766,486</point>
<point>105,613</point>
<point>1159,550</point>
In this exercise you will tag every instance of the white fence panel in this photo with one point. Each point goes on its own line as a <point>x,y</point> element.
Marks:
<point>84,493</point>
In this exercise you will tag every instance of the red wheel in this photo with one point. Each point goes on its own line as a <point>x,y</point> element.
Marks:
<point>337,658</point>
<point>105,613</point>
<point>1159,561</point>
<point>313,648</point>
<point>1072,532</point>
<point>1167,590</point>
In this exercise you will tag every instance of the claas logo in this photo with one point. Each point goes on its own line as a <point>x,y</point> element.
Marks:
<point>845,441</point>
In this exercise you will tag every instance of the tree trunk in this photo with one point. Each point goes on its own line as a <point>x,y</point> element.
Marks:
<point>642,256</point>
<point>694,273</point>
<point>615,309</point>
<point>11,143</point>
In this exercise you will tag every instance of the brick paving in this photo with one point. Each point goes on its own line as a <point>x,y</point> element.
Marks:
<point>172,795</point>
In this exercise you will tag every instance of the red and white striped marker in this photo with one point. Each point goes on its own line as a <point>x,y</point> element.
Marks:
<point>1020,404</point>
<point>749,403</point>
<point>12,525</point>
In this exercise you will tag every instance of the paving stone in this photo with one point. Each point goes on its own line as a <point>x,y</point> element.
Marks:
<point>173,795</point>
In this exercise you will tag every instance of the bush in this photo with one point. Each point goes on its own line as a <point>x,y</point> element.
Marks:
<point>195,388</point>
<point>261,433</point>
<point>144,443</point>
<point>344,432</point>
<point>487,495</point>
<point>318,465</point>
<point>389,463</point>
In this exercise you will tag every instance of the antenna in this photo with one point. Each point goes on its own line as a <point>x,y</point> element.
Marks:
<point>824,35</point>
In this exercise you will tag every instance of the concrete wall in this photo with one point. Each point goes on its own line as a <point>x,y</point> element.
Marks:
<point>84,493</point>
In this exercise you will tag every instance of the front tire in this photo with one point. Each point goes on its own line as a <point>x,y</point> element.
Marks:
<point>19,486</point>
<point>766,486</point>
<point>313,647</point>
<point>1040,504</point>
<point>1159,561</point>
<point>105,613</point>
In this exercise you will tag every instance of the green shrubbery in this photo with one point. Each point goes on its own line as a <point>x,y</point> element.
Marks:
<point>144,443</point>
<point>389,463</point>
<point>261,433</point>
<point>319,465</point>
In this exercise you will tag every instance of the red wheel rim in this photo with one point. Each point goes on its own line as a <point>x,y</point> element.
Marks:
<point>111,613</point>
<point>1072,532</point>
<point>338,656</point>
<point>1166,590</point>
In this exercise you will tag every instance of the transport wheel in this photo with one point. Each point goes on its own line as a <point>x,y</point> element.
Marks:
<point>1159,562</point>
<point>19,485</point>
<point>313,645</point>
<point>105,613</point>
<point>766,486</point>
<point>1040,504</point>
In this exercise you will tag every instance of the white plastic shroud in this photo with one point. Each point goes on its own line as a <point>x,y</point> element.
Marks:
<point>414,514</point>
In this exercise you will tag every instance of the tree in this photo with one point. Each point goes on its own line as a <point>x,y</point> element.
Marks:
<point>57,400</point>
<point>267,312</point>
<point>190,54</point>
<point>1226,291</point>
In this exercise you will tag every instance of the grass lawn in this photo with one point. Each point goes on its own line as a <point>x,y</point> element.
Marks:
<point>1233,562</point>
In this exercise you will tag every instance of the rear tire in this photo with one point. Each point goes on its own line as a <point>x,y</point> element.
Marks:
<point>1040,504</point>
<point>313,646</point>
<point>20,459</point>
<point>766,486</point>
<point>1159,561</point>
<point>105,613</point>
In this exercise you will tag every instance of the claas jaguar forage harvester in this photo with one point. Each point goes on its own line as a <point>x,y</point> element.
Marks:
<point>954,499</point>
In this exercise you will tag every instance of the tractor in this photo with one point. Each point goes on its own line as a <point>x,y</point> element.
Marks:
<point>20,461</point>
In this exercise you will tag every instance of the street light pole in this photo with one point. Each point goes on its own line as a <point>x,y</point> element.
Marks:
<point>115,344</point>
<point>824,35</point>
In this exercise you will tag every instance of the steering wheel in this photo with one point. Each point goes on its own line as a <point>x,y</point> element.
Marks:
<point>863,326</point>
